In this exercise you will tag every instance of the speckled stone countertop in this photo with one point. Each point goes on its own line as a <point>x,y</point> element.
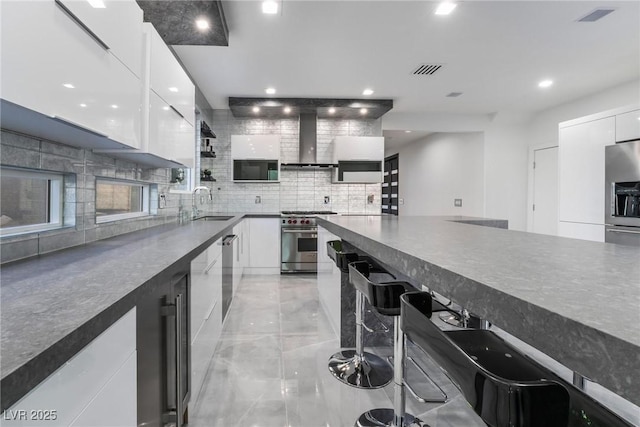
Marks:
<point>577,301</point>
<point>53,305</point>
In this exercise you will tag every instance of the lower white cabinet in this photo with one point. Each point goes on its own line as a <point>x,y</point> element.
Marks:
<point>264,246</point>
<point>329,281</point>
<point>96,387</point>
<point>206,312</point>
<point>576,230</point>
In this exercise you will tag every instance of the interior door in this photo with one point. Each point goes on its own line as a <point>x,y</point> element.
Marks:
<point>390,185</point>
<point>545,191</point>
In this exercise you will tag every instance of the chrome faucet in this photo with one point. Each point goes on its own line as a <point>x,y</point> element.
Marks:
<point>195,210</point>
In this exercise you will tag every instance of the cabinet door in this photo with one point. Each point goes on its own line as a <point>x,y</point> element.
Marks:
<point>118,25</point>
<point>52,66</point>
<point>120,393</point>
<point>77,384</point>
<point>255,147</point>
<point>170,136</point>
<point>581,175</point>
<point>264,244</point>
<point>358,148</point>
<point>581,231</point>
<point>628,126</point>
<point>167,77</point>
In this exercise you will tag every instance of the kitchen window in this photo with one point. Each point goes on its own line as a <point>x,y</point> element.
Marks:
<point>30,201</point>
<point>118,199</point>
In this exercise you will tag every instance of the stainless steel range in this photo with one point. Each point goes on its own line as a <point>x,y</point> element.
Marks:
<point>299,241</point>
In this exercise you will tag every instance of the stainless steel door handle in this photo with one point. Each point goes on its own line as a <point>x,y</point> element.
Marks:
<point>303,231</point>
<point>610,230</point>
<point>229,239</point>
<point>179,408</point>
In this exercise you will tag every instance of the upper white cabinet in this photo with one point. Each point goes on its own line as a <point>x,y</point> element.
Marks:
<point>167,78</point>
<point>53,66</point>
<point>266,147</point>
<point>347,148</point>
<point>628,126</point>
<point>117,24</point>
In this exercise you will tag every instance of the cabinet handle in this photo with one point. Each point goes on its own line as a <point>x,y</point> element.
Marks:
<point>210,311</point>
<point>179,409</point>
<point>210,266</point>
<point>610,230</point>
<point>78,126</point>
<point>77,20</point>
<point>176,111</point>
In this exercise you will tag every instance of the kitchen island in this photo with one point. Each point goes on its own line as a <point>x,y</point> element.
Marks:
<point>577,301</point>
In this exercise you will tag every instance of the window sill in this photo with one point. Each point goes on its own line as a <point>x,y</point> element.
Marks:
<point>121,217</point>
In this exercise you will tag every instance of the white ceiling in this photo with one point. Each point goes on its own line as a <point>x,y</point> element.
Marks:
<point>495,52</point>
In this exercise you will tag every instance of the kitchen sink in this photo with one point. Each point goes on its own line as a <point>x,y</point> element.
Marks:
<point>213,218</point>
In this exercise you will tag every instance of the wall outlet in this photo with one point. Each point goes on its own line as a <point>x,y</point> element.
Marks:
<point>162,201</point>
<point>327,200</point>
<point>457,203</point>
<point>370,198</point>
<point>258,200</point>
<point>401,201</point>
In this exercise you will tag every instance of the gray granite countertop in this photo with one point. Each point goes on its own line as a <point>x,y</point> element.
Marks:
<point>53,305</point>
<point>577,301</point>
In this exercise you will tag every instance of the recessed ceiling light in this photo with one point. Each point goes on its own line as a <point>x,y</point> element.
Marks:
<point>363,111</point>
<point>114,106</point>
<point>367,92</point>
<point>332,110</point>
<point>165,108</point>
<point>545,83</point>
<point>69,86</point>
<point>445,8</point>
<point>270,90</point>
<point>173,89</point>
<point>202,24</point>
<point>287,110</point>
<point>270,7</point>
<point>83,105</point>
<point>407,131</point>
<point>98,4</point>
<point>256,109</point>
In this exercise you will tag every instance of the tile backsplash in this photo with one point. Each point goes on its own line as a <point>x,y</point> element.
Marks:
<point>297,189</point>
<point>81,167</point>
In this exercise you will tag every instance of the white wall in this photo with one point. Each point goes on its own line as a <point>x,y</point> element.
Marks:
<point>440,168</point>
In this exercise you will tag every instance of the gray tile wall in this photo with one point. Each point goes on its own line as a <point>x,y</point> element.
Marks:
<point>298,189</point>
<point>82,167</point>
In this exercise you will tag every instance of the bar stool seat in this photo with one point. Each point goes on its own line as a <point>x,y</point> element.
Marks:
<point>505,388</point>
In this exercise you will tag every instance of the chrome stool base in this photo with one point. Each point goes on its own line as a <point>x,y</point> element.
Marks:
<point>385,418</point>
<point>366,371</point>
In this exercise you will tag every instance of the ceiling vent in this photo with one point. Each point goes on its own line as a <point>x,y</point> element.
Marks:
<point>454,94</point>
<point>426,69</point>
<point>596,15</point>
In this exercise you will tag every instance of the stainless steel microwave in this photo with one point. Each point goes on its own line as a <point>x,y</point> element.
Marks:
<point>256,170</point>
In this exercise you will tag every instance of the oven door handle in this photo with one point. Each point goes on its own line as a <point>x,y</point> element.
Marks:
<point>613,230</point>
<point>301,231</point>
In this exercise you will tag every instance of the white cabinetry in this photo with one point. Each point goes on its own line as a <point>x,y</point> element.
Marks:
<point>86,389</point>
<point>206,312</point>
<point>264,246</point>
<point>348,148</point>
<point>329,281</point>
<point>628,126</point>
<point>266,147</point>
<point>240,253</point>
<point>118,25</point>
<point>53,67</point>
<point>581,176</point>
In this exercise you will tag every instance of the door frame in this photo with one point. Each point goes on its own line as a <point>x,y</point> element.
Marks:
<point>531,178</point>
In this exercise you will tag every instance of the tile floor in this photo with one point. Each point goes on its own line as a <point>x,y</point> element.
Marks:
<point>270,367</point>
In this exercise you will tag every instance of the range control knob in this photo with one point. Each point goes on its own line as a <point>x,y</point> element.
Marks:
<point>295,221</point>
<point>308,222</point>
<point>289,221</point>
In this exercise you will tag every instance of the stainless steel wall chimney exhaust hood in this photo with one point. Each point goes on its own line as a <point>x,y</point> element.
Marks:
<point>307,145</point>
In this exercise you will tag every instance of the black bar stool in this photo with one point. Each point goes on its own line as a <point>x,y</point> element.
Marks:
<point>356,367</point>
<point>385,299</point>
<point>505,388</point>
